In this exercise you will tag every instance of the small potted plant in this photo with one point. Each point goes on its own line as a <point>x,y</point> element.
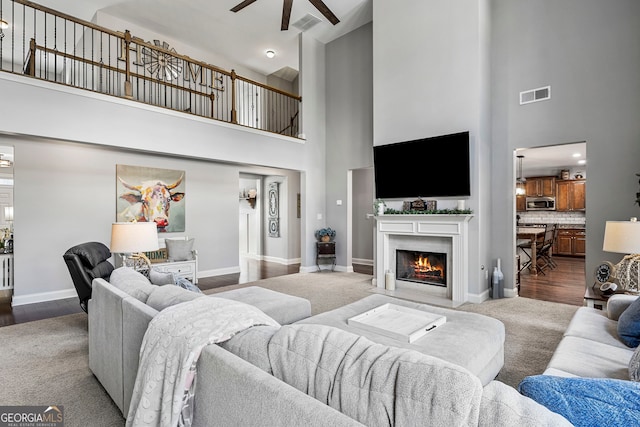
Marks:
<point>325,234</point>
<point>378,206</point>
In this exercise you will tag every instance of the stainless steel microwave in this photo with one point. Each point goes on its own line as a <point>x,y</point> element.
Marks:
<point>541,203</point>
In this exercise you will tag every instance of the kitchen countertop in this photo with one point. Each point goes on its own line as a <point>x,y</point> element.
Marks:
<point>560,226</point>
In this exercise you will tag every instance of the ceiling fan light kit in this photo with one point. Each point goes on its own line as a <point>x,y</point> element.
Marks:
<point>286,11</point>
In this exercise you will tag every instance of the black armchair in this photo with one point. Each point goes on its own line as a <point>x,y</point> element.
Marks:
<point>86,262</point>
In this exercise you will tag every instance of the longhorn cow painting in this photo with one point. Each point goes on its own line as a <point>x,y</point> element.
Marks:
<point>151,195</point>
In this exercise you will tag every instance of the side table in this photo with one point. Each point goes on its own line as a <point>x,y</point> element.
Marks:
<point>595,298</point>
<point>326,251</point>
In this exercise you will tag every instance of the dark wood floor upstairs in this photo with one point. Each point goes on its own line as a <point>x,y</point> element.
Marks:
<point>564,284</point>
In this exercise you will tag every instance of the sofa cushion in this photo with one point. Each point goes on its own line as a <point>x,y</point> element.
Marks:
<point>634,365</point>
<point>629,325</point>
<point>586,358</point>
<point>133,283</point>
<point>594,325</point>
<point>179,250</point>
<point>283,308</point>
<point>373,383</point>
<point>166,296</point>
<point>587,401</point>
<point>160,278</point>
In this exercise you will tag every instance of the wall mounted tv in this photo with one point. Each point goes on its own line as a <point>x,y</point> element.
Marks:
<point>428,167</point>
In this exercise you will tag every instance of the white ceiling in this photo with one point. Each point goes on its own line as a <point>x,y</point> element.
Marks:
<point>242,37</point>
<point>542,160</point>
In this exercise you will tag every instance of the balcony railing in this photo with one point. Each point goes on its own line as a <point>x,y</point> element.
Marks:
<point>49,45</point>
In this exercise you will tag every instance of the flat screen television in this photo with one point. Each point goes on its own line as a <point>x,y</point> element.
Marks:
<point>428,167</point>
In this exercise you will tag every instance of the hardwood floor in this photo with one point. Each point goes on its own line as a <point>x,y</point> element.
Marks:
<point>564,284</point>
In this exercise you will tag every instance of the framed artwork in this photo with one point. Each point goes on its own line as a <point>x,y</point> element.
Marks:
<point>151,194</point>
<point>274,210</point>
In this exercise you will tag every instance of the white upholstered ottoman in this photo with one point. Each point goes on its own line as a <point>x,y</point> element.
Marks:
<point>470,340</point>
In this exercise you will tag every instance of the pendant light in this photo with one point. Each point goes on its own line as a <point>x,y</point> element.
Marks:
<point>520,190</point>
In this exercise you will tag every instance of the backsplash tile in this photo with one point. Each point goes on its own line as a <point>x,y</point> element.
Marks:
<point>551,217</point>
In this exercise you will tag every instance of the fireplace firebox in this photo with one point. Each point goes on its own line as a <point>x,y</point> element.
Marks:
<point>429,268</point>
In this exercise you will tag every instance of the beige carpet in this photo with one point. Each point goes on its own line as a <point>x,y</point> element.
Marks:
<point>45,362</point>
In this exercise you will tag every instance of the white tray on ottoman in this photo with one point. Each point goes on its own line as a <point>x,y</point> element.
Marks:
<point>398,322</point>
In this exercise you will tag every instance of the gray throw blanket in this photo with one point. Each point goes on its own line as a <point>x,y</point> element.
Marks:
<point>163,392</point>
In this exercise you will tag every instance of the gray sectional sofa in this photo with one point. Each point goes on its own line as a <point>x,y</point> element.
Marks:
<point>304,372</point>
<point>590,347</point>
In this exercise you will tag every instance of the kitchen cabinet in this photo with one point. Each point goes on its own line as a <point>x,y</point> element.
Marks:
<point>570,195</point>
<point>540,186</point>
<point>571,241</point>
<point>521,203</point>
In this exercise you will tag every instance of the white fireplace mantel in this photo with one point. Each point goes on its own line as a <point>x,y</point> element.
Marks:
<point>455,227</point>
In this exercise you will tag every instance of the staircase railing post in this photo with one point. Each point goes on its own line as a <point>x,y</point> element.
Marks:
<point>234,113</point>
<point>212,96</point>
<point>128,89</point>
<point>32,58</point>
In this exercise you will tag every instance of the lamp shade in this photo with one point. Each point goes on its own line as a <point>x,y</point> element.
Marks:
<point>8,213</point>
<point>130,237</point>
<point>622,237</point>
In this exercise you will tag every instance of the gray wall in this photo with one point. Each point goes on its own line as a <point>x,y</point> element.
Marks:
<point>349,125</point>
<point>587,50</point>
<point>65,194</point>
<point>431,77</point>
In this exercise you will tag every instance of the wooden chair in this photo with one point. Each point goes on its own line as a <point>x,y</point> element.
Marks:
<point>525,245</point>
<point>545,255</point>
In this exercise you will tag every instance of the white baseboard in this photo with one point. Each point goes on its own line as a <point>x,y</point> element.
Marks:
<point>43,297</point>
<point>283,261</point>
<point>362,261</point>
<point>510,293</point>
<point>478,298</point>
<point>326,267</point>
<point>277,260</point>
<point>218,272</point>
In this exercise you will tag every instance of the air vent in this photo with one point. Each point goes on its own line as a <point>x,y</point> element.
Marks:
<point>306,22</point>
<point>535,95</point>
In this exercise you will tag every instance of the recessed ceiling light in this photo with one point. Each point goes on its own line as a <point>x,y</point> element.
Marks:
<point>582,162</point>
<point>3,24</point>
<point>577,155</point>
<point>270,53</point>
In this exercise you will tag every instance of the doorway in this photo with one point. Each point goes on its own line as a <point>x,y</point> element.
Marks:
<point>361,226</point>
<point>550,219</point>
<point>6,223</point>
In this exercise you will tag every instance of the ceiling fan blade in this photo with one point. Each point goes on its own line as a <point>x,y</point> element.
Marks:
<point>286,14</point>
<point>323,9</point>
<point>242,5</point>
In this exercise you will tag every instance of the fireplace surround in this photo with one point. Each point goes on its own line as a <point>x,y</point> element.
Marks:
<point>444,234</point>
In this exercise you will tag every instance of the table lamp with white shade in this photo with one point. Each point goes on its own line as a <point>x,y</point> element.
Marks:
<point>129,238</point>
<point>624,237</point>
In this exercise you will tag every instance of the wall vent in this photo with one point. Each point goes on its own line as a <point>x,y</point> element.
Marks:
<point>535,95</point>
<point>306,22</point>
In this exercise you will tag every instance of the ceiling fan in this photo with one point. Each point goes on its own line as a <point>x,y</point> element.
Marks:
<point>286,11</point>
